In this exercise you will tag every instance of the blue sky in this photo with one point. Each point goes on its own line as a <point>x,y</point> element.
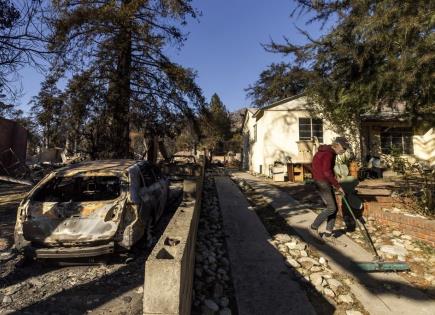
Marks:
<point>224,46</point>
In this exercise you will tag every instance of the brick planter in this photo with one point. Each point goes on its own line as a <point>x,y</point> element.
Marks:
<point>419,228</point>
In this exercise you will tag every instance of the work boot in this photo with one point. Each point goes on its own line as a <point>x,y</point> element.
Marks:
<point>328,236</point>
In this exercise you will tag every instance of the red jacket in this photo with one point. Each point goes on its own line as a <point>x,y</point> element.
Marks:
<point>323,165</point>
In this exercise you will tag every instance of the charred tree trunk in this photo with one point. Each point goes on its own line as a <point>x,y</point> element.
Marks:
<point>118,144</point>
<point>152,147</point>
<point>163,150</point>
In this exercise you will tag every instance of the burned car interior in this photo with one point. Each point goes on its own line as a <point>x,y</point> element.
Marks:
<point>79,189</point>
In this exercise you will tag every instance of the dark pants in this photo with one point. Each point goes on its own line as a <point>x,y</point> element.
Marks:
<point>330,213</point>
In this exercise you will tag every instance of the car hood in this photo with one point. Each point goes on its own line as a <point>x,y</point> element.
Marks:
<point>72,223</point>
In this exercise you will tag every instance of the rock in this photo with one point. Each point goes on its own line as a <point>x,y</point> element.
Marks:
<point>139,290</point>
<point>224,302</point>
<point>348,282</point>
<point>409,247</point>
<point>6,255</point>
<point>406,237</point>
<point>322,260</point>
<point>397,241</point>
<point>282,249</point>
<point>198,258</point>
<point>328,292</point>
<point>127,299</point>
<point>7,299</point>
<point>294,252</point>
<point>304,253</point>
<point>225,261</point>
<point>316,269</point>
<point>291,245</point>
<point>316,279</point>
<point>345,298</point>
<point>397,233</point>
<point>198,272</point>
<point>283,238</point>
<point>334,284</point>
<point>225,311</point>
<point>218,290</point>
<point>308,262</point>
<point>301,246</point>
<point>353,312</point>
<point>209,307</point>
<point>394,250</point>
<point>36,282</point>
<point>292,262</point>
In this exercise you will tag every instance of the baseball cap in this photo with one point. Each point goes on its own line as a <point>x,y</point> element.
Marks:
<point>343,142</point>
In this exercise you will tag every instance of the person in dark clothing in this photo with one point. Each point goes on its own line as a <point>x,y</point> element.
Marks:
<point>323,175</point>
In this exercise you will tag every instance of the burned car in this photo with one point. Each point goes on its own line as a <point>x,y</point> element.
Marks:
<point>91,208</point>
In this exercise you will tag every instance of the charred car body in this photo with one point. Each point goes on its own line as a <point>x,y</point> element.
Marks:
<point>91,208</point>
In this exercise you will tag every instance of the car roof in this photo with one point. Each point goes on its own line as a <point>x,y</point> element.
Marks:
<point>99,167</point>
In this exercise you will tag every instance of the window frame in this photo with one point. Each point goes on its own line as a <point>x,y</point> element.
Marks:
<point>387,136</point>
<point>312,130</point>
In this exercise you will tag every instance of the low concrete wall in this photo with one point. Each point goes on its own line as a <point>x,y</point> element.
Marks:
<point>169,268</point>
<point>420,228</point>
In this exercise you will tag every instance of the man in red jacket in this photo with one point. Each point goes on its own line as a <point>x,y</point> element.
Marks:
<point>323,175</point>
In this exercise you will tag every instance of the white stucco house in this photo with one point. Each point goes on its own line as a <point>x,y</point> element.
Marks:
<point>284,131</point>
<point>280,132</point>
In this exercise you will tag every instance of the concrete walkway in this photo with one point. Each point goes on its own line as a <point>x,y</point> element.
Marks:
<point>262,282</point>
<point>380,293</point>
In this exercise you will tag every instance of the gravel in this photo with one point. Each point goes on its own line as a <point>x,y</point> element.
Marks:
<point>213,289</point>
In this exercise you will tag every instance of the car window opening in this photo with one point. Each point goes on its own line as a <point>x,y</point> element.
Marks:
<point>79,189</point>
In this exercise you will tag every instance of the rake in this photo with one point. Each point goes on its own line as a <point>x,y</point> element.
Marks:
<point>377,264</point>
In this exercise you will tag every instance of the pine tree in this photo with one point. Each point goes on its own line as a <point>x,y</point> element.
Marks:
<point>48,112</point>
<point>216,125</point>
<point>123,41</point>
<point>379,53</point>
<point>277,82</point>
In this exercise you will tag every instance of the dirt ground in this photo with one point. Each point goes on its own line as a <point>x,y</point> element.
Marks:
<point>109,285</point>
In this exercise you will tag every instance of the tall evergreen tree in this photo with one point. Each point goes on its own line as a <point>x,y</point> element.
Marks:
<point>123,42</point>
<point>216,125</point>
<point>49,113</point>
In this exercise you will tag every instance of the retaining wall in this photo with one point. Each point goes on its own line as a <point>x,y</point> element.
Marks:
<point>420,228</point>
<point>169,268</point>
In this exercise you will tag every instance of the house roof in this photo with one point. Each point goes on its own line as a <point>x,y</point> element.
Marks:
<point>280,102</point>
<point>251,110</point>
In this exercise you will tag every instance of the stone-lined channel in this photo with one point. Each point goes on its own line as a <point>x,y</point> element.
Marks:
<point>213,288</point>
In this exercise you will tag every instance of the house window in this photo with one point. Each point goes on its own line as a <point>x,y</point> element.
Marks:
<point>396,140</point>
<point>309,128</point>
<point>255,133</point>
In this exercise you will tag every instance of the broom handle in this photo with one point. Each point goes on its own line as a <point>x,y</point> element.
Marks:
<point>366,235</point>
